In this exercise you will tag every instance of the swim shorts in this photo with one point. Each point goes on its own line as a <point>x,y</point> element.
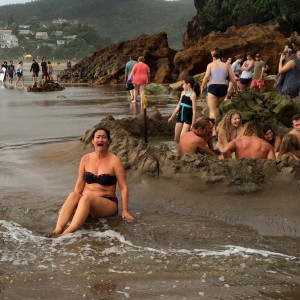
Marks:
<point>218,90</point>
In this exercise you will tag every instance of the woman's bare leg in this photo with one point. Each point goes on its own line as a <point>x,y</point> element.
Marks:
<point>97,207</point>
<point>185,128</point>
<point>178,128</point>
<point>136,92</point>
<point>66,212</point>
<point>142,92</point>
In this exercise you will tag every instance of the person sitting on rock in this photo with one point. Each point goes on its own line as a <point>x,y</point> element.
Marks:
<point>186,107</point>
<point>250,145</point>
<point>195,141</point>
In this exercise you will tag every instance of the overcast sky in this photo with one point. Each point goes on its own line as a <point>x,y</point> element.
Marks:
<point>4,2</point>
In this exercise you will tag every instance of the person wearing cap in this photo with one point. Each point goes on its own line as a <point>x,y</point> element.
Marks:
<point>257,82</point>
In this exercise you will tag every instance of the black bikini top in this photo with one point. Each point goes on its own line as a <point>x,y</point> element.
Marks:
<point>102,179</point>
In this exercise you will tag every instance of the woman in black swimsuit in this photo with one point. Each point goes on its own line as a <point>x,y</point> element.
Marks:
<point>95,189</point>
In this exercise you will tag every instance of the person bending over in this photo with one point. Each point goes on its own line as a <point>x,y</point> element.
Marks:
<point>95,189</point>
<point>195,141</point>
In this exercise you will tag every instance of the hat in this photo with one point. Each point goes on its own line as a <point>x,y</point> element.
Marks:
<point>257,55</point>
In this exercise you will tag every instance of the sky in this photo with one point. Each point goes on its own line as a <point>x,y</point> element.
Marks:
<point>4,2</point>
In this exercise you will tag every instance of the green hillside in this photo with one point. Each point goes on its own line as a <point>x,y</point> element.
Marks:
<point>114,20</point>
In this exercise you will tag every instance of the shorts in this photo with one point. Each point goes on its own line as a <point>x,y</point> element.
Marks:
<point>257,83</point>
<point>245,81</point>
<point>218,90</point>
<point>11,75</point>
<point>35,74</point>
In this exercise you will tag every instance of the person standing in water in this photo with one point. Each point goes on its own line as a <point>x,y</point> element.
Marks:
<point>128,68</point>
<point>186,108</point>
<point>95,189</point>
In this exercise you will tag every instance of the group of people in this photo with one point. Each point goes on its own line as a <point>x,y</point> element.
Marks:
<point>9,71</point>
<point>100,171</point>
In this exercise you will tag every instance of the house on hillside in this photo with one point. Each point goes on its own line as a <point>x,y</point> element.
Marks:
<point>58,33</point>
<point>8,41</point>
<point>60,42</point>
<point>24,26</point>
<point>5,31</point>
<point>25,32</point>
<point>41,35</point>
<point>59,21</point>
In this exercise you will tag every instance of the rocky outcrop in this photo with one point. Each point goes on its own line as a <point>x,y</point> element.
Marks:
<point>107,65</point>
<point>264,39</point>
<point>47,86</point>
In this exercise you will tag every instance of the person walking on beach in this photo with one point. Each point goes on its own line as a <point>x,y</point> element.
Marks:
<point>45,75</point>
<point>186,108</point>
<point>296,126</point>
<point>259,68</point>
<point>216,74</point>
<point>250,145</point>
<point>140,78</point>
<point>34,70</point>
<point>128,68</point>
<point>195,141</point>
<point>95,189</point>
<point>19,73</point>
<point>50,70</point>
<point>11,72</point>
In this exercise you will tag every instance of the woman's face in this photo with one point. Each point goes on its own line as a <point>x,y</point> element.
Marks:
<point>236,120</point>
<point>269,135</point>
<point>185,85</point>
<point>100,140</point>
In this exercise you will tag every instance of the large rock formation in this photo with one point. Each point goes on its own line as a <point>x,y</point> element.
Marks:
<point>107,65</point>
<point>264,39</point>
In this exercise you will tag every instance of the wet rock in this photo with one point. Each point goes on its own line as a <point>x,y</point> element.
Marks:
<point>156,89</point>
<point>47,86</point>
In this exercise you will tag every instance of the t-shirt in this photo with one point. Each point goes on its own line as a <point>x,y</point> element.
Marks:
<point>140,73</point>
<point>258,65</point>
<point>236,68</point>
<point>129,66</point>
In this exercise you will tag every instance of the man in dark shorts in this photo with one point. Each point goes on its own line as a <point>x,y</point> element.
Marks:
<point>34,70</point>
<point>11,72</point>
<point>44,66</point>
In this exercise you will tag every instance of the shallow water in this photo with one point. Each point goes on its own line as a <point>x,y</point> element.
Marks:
<point>183,244</point>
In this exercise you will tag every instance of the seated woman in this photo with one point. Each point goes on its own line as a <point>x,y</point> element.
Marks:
<point>289,147</point>
<point>229,128</point>
<point>95,189</point>
<point>271,137</point>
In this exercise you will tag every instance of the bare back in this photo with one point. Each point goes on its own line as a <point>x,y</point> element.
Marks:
<point>250,147</point>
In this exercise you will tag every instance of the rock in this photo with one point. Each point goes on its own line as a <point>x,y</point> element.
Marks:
<point>156,89</point>
<point>108,64</point>
<point>47,86</point>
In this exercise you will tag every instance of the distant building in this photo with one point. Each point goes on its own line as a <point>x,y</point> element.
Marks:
<point>60,42</point>
<point>8,41</point>
<point>41,35</point>
<point>24,26</point>
<point>5,31</point>
<point>25,32</point>
<point>60,21</point>
<point>58,33</point>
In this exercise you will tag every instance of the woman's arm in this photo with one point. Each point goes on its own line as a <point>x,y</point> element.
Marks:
<point>122,183</point>
<point>176,110</point>
<point>222,139</point>
<point>284,68</point>
<point>79,186</point>
<point>277,143</point>
<point>194,105</point>
<point>205,79</point>
<point>232,77</point>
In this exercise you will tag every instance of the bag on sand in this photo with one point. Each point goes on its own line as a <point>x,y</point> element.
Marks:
<point>129,85</point>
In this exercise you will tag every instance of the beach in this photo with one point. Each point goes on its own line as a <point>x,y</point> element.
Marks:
<point>191,239</point>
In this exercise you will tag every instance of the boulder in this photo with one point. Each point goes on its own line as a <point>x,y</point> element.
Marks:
<point>47,86</point>
<point>108,64</point>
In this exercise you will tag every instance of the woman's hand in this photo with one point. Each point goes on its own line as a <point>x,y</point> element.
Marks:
<point>170,119</point>
<point>127,216</point>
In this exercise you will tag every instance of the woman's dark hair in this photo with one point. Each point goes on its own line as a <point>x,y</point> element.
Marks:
<point>266,127</point>
<point>92,136</point>
<point>194,84</point>
<point>290,144</point>
<point>218,54</point>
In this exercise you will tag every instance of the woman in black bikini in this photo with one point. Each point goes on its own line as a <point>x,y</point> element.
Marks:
<point>95,189</point>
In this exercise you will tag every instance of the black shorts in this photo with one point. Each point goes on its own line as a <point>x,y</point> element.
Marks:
<point>245,80</point>
<point>218,90</point>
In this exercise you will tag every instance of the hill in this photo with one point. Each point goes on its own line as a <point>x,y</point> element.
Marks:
<point>114,20</point>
